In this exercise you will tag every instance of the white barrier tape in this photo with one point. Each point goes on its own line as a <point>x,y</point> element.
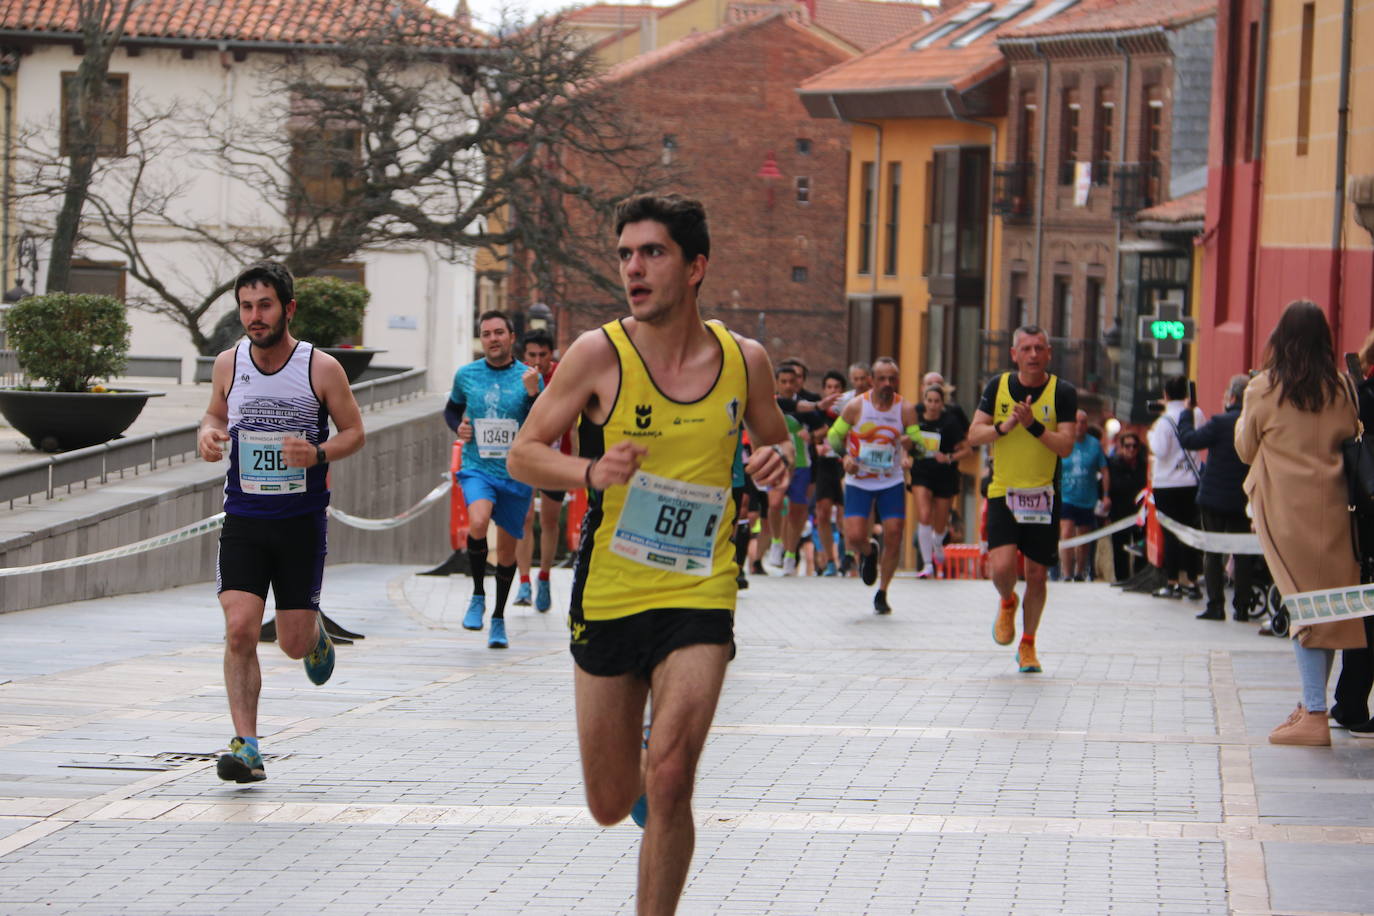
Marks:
<point>1329,605</point>
<point>206,525</point>
<point>1211,541</point>
<point>196,529</point>
<point>382,524</point>
<point>1129,521</point>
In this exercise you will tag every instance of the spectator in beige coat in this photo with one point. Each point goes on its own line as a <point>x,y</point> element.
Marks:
<point>1297,413</point>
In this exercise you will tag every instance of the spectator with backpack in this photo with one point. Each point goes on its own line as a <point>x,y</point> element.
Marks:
<point>1174,474</point>
<point>1351,709</point>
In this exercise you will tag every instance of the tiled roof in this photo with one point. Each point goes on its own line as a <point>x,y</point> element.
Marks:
<point>1186,209</point>
<point>1118,15</point>
<point>945,59</point>
<point>868,23</point>
<point>683,46</point>
<point>306,22</point>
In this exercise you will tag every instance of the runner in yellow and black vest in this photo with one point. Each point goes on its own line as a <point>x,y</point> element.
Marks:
<point>1019,417</point>
<point>663,398</point>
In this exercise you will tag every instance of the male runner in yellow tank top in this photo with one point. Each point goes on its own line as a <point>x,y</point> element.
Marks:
<point>662,396</point>
<point>1019,414</point>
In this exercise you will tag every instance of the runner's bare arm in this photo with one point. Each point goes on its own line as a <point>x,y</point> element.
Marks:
<point>773,457</point>
<point>982,431</point>
<point>331,384</point>
<point>1059,441</point>
<point>587,375</point>
<point>214,426</point>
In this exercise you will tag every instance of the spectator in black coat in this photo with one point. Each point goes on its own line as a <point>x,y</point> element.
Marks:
<point>1351,708</point>
<point>1127,467</point>
<point>1221,498</point>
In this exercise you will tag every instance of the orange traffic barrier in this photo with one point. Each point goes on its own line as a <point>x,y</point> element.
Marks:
<point>577,510</point>
<point>1154,533</point>
<point>457,506</point>
<point>963,561</point>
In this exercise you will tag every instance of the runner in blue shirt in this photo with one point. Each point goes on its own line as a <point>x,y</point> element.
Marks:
<point>490,399</point>
<point>1078,486</point>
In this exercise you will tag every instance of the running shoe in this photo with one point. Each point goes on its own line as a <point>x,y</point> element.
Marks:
<point>1004,627</point>
<point>243,763</point>
<point>477,609</point>
<point>1026,661</point>
<point>640,812</point>
<point>543,598</point>
<point>319,661</point>
<point>926,572</point>
<point>497,638</point>
<point>742,581</point>
<point>522,595</point>
<point>868,563</point>
<point>830,570</point>
<point>756,569</point>
<point>880,605</point>
<point>1364,730</point>
<point>789,564</point>
<point>774,557</point>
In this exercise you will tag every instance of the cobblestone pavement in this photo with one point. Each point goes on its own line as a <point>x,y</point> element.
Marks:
<point>859,764</point>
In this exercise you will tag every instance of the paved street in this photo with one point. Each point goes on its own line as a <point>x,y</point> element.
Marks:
<point>859,764</point>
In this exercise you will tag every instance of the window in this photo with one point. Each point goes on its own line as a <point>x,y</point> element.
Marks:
<point>798,274</point>
<point>1309,14</point>
<point>1026,143</point>
<point>101,278</point>
<point>803,146</point>
<point>866,217</point>
<point>1018,308</point>
<point>1062,324</point>
<point>111,116</point>
<point>1153,137</point>
<point>894,200</point>
<point>669,147</point>
<point>803,189</point>
<point>326,151</point>
<point>1094,308</point>
<point>1068,140</point>
<point>1103,135</point>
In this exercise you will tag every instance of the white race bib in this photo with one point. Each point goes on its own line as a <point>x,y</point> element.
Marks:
<point>669,524</point>
<point>262,464</point>
<point>494,436</point>
<point>931,440</point>
<point>877,456</point>
<point>1033,506</point>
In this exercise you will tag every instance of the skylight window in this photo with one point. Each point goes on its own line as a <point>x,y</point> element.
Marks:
<point>1052,9</point>
<point>962,17</point>
<point>1005,12</point>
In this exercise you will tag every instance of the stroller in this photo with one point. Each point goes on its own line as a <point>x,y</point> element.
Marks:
<point>1265,600</point>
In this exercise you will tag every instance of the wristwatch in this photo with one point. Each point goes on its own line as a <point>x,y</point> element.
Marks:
<point>320,456</point>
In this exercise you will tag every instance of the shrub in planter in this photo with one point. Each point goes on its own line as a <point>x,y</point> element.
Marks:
<point>68,340</point>
<point>328,310</point>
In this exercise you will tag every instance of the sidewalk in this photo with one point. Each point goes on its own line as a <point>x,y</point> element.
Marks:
<point>859,764</point>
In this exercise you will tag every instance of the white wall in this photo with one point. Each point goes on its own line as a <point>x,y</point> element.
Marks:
<point>409,286</point>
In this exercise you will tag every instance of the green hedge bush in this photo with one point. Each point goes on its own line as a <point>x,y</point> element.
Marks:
<point>69,340</point>
<point>328,310</point>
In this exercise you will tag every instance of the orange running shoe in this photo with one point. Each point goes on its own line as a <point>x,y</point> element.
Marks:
<point>1004,627</point>
<point>1026,660</point>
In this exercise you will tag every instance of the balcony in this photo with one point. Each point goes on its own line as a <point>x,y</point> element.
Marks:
<point>1012,186</point>
<point>1137,187</point>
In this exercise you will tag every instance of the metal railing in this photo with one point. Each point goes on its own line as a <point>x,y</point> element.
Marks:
<point>1136,187</point>
<point>149,451</point>
<point>1012,185</point>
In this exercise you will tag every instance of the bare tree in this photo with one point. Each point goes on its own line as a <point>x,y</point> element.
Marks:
<point>86,116</point>
<point>400,135</point>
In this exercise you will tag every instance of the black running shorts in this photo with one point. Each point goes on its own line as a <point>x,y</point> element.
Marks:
<point>1039,543</point>
<point>636,644</point>
<point>284,553</point>
<point>942,480</point>
<point>828,473</point>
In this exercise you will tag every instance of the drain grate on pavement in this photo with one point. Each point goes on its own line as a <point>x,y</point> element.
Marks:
<point>157,763</point>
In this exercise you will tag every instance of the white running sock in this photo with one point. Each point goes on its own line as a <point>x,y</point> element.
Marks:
<point>925,537</point>
<point>940,547</point>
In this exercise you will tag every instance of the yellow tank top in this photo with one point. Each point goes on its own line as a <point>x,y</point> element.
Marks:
<point>663,540</point>
<point>1019,459</point>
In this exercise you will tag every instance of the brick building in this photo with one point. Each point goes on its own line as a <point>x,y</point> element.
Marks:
<point>1107,116</point>
<point>772,179</point>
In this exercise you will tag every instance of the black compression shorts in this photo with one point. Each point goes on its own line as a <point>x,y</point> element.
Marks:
<point>636,644</point>
<point>284,553</point>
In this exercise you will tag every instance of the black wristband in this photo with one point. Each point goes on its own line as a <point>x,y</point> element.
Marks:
<point>320,456</point>
<point>1036,428</point>
<point>997,428</point>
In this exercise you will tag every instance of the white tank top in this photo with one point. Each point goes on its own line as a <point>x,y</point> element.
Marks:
<point>875,443</point>
<point>264,407</point>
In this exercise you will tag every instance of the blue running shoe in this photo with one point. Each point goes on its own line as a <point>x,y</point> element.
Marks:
<point>522,595</point>
<point>543,598</point>
<point>319,662</point>
<point>497,639</point>
<point>477,609</point>
<point>640,812</point>
<point>243,763</point>
<point>830,570</point>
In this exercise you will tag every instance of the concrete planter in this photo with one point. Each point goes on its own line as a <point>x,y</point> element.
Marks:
<point>353,359</point>
<point>59,421</point>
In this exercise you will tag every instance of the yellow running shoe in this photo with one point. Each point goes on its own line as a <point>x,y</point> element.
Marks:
<point>1026,660</point>
<point>1004,627</point>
